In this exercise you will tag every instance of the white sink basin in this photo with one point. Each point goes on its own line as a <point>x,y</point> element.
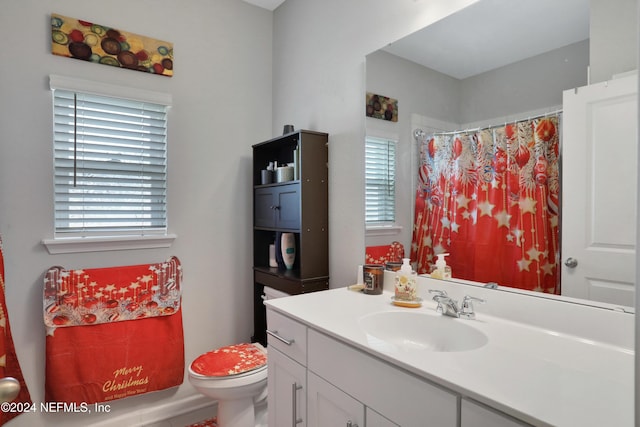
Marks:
<point>409,332</point>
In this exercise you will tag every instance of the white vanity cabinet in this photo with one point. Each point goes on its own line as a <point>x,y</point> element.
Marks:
<point>552,377</point>
<point>332,384</point>
<point>475,415</point>
<point>287,384</point>
<point>374,419</point>
<point>329,406</point>
<point>400,397</point>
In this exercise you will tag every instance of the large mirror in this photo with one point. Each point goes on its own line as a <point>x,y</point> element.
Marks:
<point>497,62</point>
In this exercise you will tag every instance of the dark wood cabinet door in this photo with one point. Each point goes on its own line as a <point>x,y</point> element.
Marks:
<point>277,207</point>
<point>288,207</point>
<point>263,212</point>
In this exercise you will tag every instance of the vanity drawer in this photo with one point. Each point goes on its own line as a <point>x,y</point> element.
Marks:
<point>476,415</point>
<point>287,335</point>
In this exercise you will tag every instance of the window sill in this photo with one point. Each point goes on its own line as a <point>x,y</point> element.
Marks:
<point>383,230</point>
<point>69,245</point>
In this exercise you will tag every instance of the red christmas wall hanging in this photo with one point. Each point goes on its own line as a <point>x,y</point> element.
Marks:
<point>112,332</point>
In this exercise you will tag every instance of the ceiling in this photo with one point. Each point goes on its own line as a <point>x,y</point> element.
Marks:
<point>489,34</point>
<point>492,33</point>
<point>266,4</point>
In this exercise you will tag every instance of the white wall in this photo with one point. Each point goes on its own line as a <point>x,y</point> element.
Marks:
<point>613,31</point>
<point>532,84</point>
<point>418,89</point>
<point>221,105</point>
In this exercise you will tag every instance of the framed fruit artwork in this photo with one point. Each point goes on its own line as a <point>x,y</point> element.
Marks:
<point>381,107</point>
<point>84,40</point>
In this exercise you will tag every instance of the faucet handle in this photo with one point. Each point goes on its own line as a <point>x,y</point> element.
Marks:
<point>438,298</point>
<point>467,306</point>
<point>438,293</point>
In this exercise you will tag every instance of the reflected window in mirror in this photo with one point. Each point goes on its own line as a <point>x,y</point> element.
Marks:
<point>380,182</point>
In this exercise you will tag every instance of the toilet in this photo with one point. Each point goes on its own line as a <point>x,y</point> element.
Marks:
<point>236,377</point>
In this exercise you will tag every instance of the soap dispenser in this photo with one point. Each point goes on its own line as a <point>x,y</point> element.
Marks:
<point>442,270</point>
<point>405,283</point>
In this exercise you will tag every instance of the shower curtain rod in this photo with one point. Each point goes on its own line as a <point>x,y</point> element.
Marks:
<point>419,132</point>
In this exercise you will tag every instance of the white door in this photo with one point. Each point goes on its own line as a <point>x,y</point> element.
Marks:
<point>599,186</point>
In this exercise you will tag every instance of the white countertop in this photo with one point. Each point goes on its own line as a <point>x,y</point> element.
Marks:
<point>541,376</point>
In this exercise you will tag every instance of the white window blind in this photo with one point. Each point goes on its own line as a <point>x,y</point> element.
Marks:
<point>110,165</point>
<point>380,181</point>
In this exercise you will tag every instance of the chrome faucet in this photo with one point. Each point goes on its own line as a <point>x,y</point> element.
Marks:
<point>449,307</point>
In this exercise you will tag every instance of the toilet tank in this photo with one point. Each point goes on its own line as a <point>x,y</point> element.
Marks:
<point>270,293</point>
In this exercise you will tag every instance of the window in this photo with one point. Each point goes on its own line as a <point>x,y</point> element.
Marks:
<point>380,181</point>
<point>110,160</point>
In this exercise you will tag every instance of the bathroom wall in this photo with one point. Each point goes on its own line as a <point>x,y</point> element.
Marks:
<point>529,85</point>
<point>613,24</point>
<point>221,105</point>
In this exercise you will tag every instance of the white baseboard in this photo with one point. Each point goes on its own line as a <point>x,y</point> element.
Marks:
<point>179,412</point>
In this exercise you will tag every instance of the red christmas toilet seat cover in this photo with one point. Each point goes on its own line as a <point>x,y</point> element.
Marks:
<point>229,360</point>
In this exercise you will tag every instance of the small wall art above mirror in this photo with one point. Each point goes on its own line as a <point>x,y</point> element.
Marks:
<point>517,96</point>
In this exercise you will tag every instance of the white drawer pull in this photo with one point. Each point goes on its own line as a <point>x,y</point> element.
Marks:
<point>294,396</point>
<point>279,338</point>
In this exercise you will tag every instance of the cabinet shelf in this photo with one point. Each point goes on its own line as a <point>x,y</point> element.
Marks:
<point>283,273</point>
<point>276,184</point>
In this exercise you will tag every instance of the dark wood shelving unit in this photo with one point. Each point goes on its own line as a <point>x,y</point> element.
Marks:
<point>299,206</point>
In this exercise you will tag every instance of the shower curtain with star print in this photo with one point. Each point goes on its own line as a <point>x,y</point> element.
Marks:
<point>490,199</point>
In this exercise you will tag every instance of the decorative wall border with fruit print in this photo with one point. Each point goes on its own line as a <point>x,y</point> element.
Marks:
<point>75,38</point>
